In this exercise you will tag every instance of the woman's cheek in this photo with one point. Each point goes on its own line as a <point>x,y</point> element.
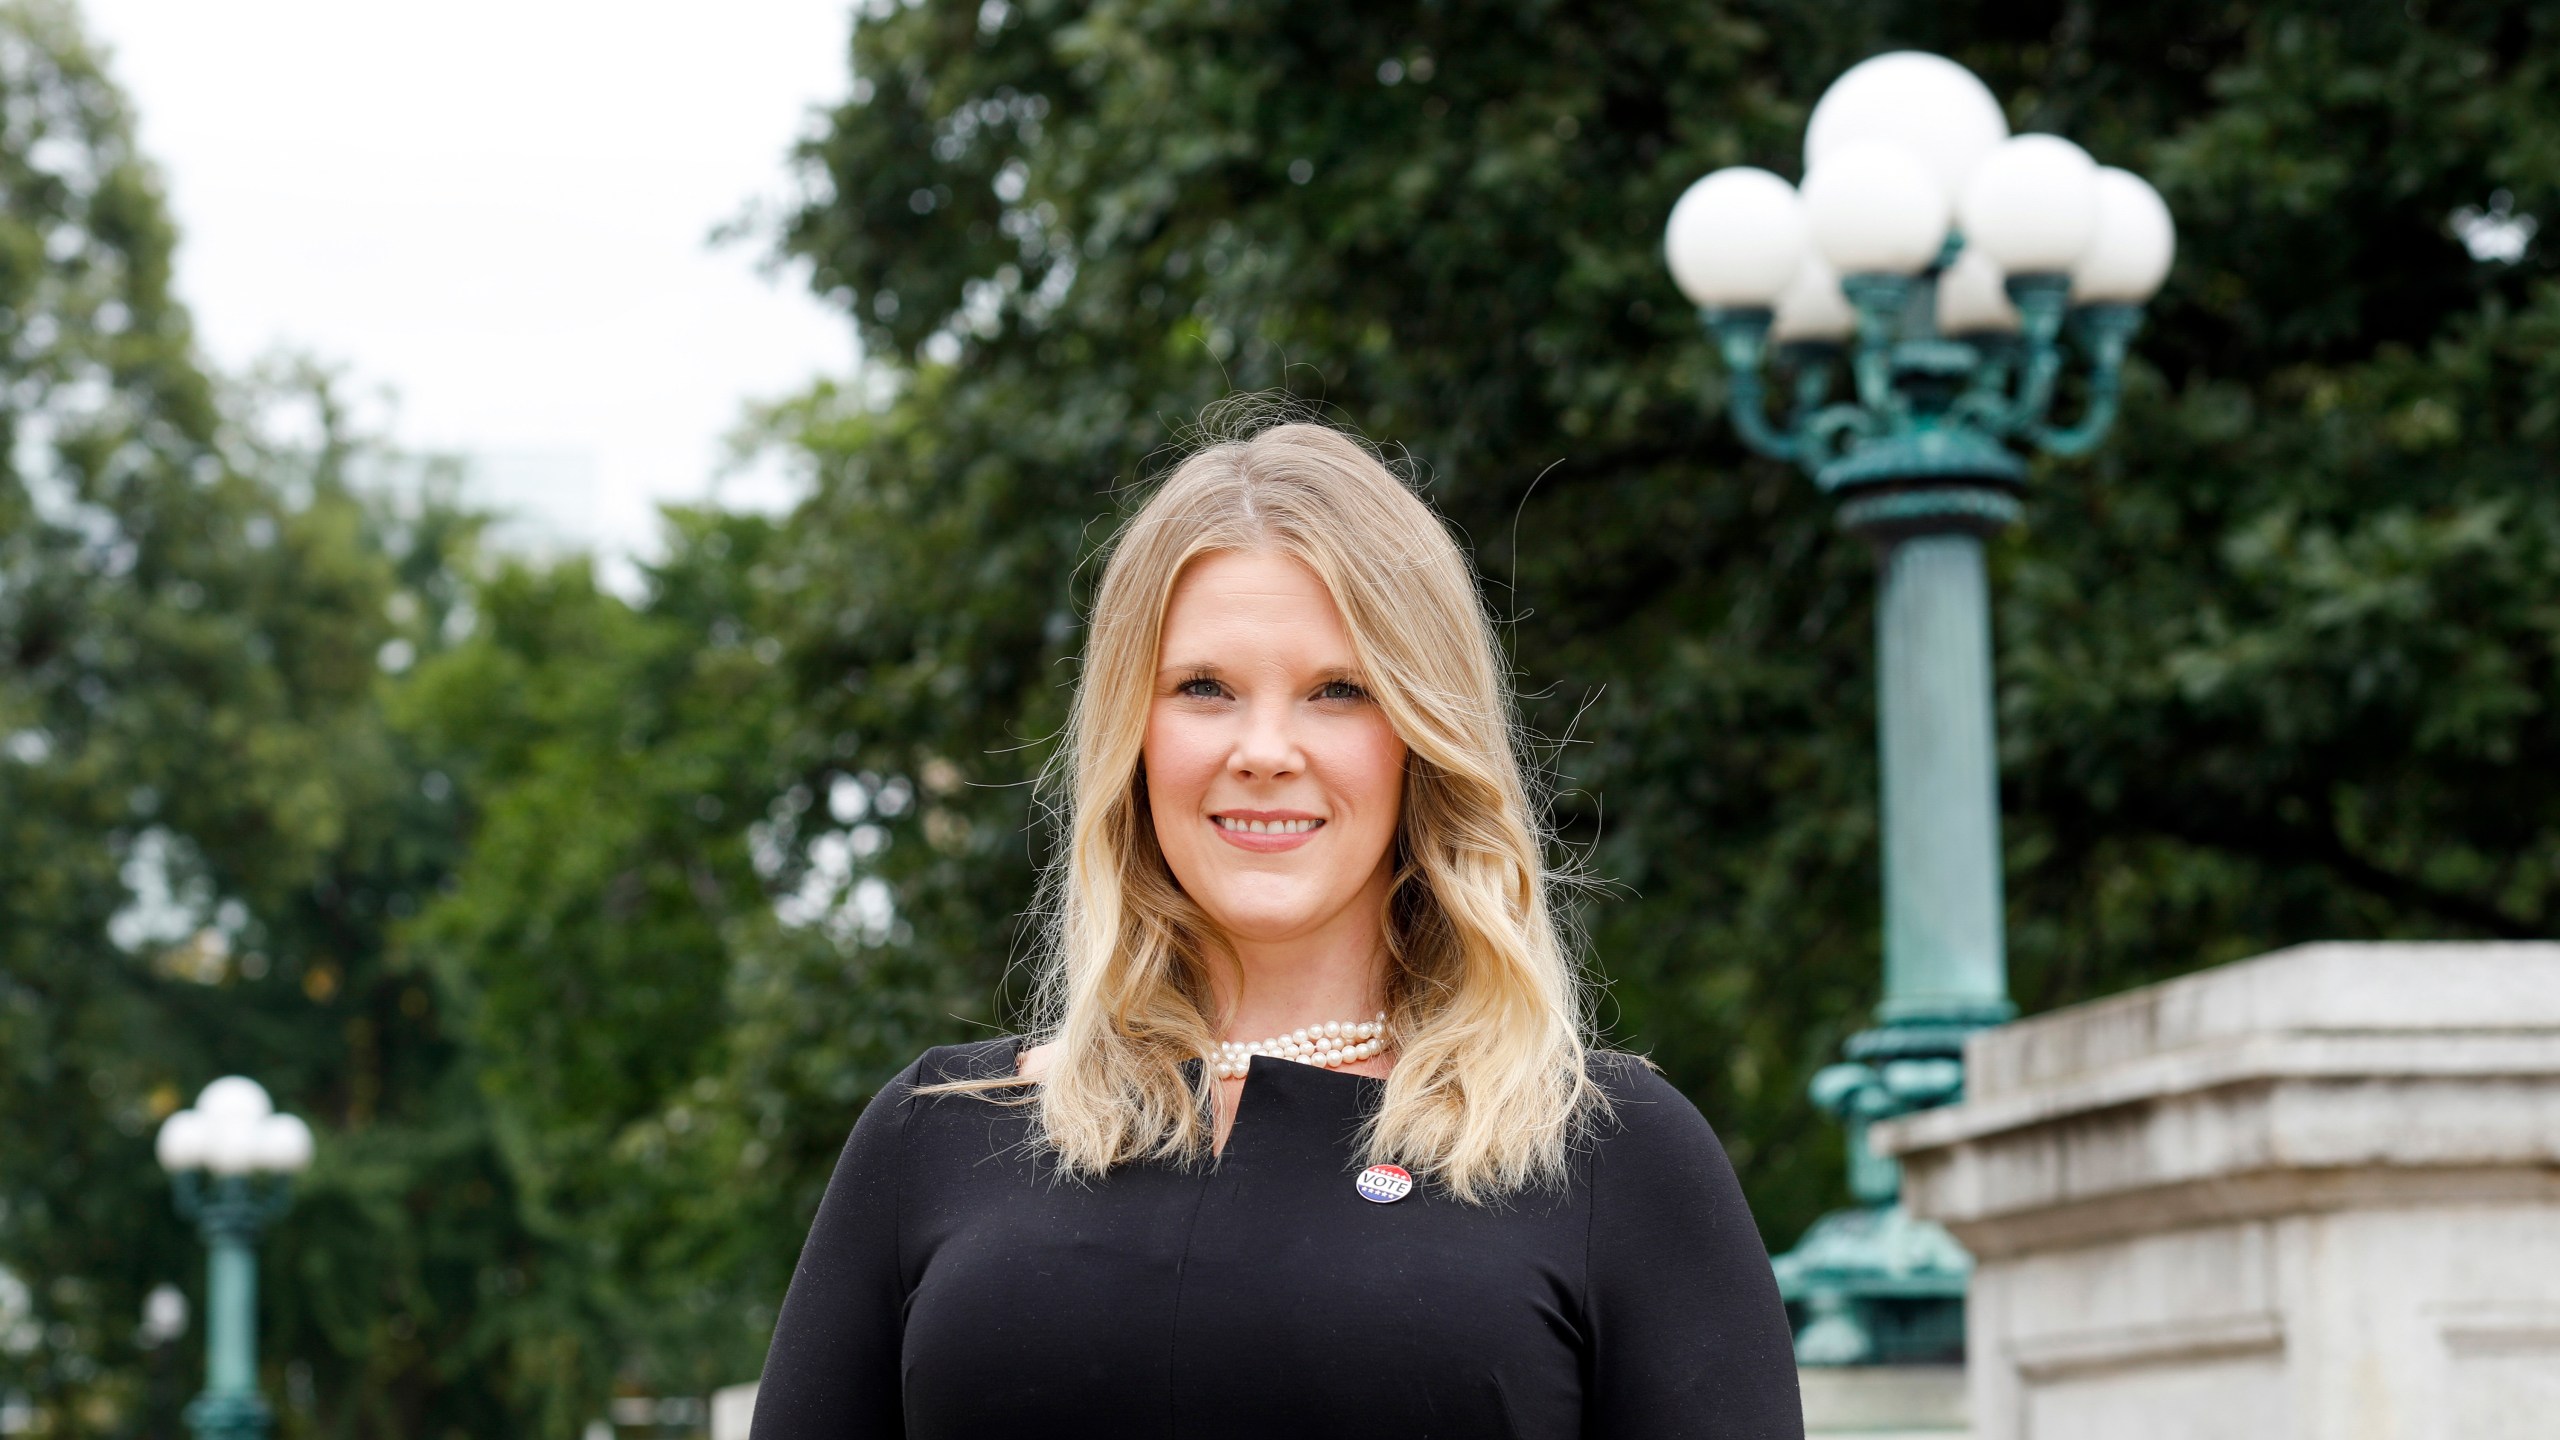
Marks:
<point>1172,759</point>
<point>1375,770</point>
<point>1179,763</point>
<point>1385,767</point>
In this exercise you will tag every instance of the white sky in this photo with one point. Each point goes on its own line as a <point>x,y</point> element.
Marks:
<point>499,209</point>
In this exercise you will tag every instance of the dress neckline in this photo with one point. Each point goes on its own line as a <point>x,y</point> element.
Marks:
<point>1272,1065</point>
<point>1262,1066</point>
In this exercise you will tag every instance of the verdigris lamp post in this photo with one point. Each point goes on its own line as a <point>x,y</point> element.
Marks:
<point>1944,268</point>
<point>232,1159</point>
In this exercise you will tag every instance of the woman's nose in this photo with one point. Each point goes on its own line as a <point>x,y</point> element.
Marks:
<point>1268,747</point>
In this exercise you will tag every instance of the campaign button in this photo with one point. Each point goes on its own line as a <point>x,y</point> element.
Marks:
<point>1385,1184</point>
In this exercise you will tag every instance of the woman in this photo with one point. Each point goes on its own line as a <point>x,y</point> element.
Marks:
<point>1315,1139</point>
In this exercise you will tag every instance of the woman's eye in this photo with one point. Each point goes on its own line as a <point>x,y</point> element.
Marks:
<point>1341,690</point>
<point>1200,689</point>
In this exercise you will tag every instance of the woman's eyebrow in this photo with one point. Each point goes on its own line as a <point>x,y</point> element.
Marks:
<point>1211,670</point>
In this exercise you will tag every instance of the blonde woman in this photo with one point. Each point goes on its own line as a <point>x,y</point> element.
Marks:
<point>1313,1138</point>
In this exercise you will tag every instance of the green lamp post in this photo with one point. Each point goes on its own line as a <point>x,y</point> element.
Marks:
<point>232,1159</point>
<point>1946,269</point>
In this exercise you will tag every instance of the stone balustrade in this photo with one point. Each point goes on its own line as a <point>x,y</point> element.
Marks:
<point>2310,1196</point>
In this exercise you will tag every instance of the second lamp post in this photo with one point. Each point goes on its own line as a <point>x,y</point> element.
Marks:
<point>232,1159</point>
<point>1941,267</point>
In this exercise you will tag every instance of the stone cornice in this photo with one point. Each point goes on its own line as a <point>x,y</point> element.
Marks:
<point>2324,1077</point>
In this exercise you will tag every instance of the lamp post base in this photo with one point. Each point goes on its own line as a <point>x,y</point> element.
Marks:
<point>229,1417</point>
<point>1874,1285</point>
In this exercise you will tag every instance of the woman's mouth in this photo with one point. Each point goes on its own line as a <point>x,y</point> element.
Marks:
<point>1248,830</point>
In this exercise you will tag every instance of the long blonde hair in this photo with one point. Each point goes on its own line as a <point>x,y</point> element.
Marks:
<point>1486,1002</point>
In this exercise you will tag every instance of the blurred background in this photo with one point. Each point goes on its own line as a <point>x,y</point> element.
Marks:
<point>541,544</point>
<point>493,220</point>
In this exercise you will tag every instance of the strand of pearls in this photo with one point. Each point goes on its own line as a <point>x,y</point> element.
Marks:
<point>1335,1042</point>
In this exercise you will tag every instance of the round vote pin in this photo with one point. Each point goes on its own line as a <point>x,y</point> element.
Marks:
<point>1385,1184</point>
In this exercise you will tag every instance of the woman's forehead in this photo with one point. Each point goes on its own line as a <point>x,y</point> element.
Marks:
<point>1245,596</point>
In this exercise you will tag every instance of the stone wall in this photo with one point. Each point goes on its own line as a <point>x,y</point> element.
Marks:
<point>1883,1402</point>
<point>2315,1195</point>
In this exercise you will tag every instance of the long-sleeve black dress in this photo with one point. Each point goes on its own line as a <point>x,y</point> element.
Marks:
<point>953,1286</point>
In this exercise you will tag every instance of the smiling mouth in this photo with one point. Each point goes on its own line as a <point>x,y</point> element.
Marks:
<point>1234,826</point>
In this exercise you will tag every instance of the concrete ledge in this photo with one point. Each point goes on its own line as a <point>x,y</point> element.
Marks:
<point>2164,1107</point>
<point>2312,1196</point>
<point>2331,988</point>
<point>1883,1402</point>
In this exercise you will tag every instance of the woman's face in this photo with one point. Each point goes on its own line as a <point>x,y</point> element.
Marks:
<point>1273,779</point>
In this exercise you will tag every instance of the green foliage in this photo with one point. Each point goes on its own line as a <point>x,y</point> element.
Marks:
<point>2271,666</point>
<point>586,937</point>
<point>584,925</point>
<point>207,827</point>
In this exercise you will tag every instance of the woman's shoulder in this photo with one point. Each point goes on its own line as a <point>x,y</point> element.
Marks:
<point>1654,1160</point>
<point>915,1090</point>
<point>993,1058</point>
<point>1638,1102</point>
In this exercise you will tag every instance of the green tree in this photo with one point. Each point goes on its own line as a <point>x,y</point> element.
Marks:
<point>693,872</point>
<point>2269,665</point>
<point>208,829</point>
<point>2272,667</point>
<point>616,753</point>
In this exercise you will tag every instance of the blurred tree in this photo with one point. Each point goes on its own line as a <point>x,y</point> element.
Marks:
<point>694,871</point>
<point>616,754</point>
<point>2272,668</point>
<point>207,830</point>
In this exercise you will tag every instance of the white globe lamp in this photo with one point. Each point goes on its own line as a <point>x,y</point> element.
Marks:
<point>1927,103</point>
<point>2135,243</point>
<point>1873,208</point>
<point>234,1130</point>
<point>2032,205</point>
<point>282,1145</point>
<point>1813,309</point>
<point>181,1144</point>
<point>1973,297</point>
<point>1735,238</point>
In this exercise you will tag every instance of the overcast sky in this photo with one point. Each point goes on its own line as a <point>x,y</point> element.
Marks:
<point>500,210</point>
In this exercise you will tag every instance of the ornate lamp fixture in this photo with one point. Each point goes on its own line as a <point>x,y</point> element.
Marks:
<point>232,1159</point>
<point>1945,269</point>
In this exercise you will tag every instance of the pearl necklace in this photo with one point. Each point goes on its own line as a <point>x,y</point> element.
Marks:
<point>1334,1043</point>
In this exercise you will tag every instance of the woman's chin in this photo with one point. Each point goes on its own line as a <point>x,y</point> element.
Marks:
<point>1265,921</point>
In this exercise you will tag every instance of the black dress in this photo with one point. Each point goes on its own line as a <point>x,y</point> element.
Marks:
<point>953,1286</point>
